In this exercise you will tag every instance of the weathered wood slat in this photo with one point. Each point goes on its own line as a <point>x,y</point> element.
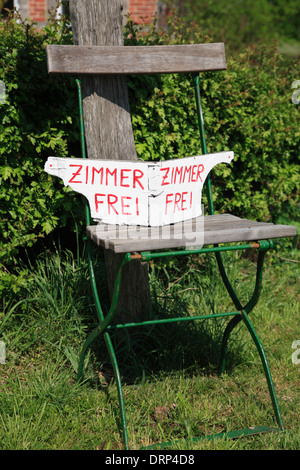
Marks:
<point>209,223</point>
<point>91,60</point>
<point>223,228</point>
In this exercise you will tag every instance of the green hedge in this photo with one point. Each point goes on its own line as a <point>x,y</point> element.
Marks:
<point>248,109</point>
<point>38,118</point>
<point>241,23</point>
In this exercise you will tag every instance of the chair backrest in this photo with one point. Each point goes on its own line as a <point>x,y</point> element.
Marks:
<point>125,60</point>
<point>96,60</point>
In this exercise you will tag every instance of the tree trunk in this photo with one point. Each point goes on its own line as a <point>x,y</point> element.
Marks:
<point>108,132</point>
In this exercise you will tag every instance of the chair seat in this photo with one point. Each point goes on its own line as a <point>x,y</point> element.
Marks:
<point>203,230</point>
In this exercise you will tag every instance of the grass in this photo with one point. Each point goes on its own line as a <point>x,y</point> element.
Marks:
<point>169,372</point>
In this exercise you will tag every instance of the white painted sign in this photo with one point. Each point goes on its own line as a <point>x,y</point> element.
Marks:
<point>139,193</point>
<point>117,191</point>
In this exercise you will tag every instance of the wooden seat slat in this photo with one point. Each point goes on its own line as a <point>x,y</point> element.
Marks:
<point>221,228</point>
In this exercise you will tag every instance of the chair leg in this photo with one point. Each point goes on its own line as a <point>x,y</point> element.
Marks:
<point>244,316</point>
<point>95,333</point>
<point>248,307</point>
<point>102,329</point>
<point>264,361</point>
<point>262,355</point>
<point>119,387</point>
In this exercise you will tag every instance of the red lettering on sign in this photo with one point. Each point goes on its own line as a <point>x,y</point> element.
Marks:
<point>178,172</point>
<point>97,200</point>
<point>111,173</point>
<point>100,171</point>
<point>77,173</point>
<point>176,203</point>
<point>194,174</point>
<point>200,170</point>
<point>137,206</point>
<point>187,170</point>
<point>137,175</point>
<point>111,200</point>
<point>168,201</point>
<point>165,176</point>
<point>172,175</point>
<point>182,174</point>
<point>183,201</point>
<point>123,177</point>
<point>179,201</point>
<point>123,205</point>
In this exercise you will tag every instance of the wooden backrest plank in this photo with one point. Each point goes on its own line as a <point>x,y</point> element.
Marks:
<point>93,60</point>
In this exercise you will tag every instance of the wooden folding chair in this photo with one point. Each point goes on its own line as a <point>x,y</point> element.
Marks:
<point>217,232</point>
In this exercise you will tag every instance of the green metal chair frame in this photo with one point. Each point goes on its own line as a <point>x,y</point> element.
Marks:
<point>106,325</point>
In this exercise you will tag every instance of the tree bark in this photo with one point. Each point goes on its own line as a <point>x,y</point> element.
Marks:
<point>105,99</point>
<point>109,135</point>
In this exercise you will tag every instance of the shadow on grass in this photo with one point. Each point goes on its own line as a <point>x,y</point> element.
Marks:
<point>192,347</point>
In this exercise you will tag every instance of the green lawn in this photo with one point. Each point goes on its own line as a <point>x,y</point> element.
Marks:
<point>171,387</point>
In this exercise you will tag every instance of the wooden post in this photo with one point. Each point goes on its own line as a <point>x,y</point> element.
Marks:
<point>109,133</point>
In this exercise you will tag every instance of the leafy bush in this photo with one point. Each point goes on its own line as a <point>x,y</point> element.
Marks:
<point>37,118</point>
<point>240,24</point>
<point>248,109</point>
